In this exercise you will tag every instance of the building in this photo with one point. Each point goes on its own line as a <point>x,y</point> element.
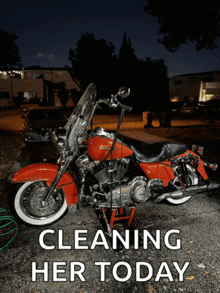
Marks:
<point>41,83</point>
<point>195,87</point>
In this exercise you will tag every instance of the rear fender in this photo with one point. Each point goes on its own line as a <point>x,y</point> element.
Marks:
<point>200,168</point>
<point>47,172</point>
<point>166,173</point>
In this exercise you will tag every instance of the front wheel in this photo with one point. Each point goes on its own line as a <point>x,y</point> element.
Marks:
<point>193,177</point>
<point>28,204</point>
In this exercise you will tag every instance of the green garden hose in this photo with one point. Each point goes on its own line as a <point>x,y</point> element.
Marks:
<point>5,221</point>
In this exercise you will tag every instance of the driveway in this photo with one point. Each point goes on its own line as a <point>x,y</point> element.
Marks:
<point>186,261</point>
<point>12,120</point>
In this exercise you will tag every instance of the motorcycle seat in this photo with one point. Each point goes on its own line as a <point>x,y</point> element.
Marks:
<point>160,151</point>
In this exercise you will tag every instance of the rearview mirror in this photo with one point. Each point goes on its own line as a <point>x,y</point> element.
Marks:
<point>124,92</point>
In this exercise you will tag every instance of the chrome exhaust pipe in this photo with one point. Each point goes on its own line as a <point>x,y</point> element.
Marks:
<point>188,191</point>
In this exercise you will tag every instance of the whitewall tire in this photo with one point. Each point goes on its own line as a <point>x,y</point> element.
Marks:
<point>29,208</point>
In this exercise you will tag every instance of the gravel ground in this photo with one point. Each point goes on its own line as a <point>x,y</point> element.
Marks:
<point>197,220</point>
<point>10,143</point>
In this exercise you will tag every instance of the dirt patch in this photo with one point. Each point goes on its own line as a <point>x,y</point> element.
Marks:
<point>9,146</point>
<point>10,143</point>
<point>6,112</point>
<point>198,221</point>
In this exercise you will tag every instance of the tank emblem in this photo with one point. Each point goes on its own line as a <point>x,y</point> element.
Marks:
<point>106,148</point>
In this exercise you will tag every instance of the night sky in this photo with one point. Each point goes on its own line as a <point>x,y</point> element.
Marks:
<point>47,29</point>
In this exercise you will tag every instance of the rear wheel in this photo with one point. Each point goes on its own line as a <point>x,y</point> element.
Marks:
<point>29,207</point>
<point>193,177</point>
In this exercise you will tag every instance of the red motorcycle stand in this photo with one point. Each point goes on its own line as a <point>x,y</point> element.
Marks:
<point>117,214</point>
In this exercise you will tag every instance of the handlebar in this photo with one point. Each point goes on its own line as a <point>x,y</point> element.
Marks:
<point>127,108</point>
<point>114,103</point>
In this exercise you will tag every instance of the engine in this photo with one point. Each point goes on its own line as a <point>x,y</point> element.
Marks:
<point>109,184</point>
<point>105,172</point>
<point>134,191</point>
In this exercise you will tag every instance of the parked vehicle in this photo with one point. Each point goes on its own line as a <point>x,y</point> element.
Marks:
<point>212,106</point>
<point>189,108</point>
<point>99,169</point>
<point>40,122</point>
<point>175,106</point>
<point>26,106</point>
<point>201,106</point>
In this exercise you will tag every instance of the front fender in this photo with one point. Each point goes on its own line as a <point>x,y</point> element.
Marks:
<point>47,172</point>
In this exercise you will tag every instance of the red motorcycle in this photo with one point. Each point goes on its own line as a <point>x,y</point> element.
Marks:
<point>97,168</point>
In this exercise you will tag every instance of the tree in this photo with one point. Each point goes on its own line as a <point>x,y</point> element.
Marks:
<point>60,88</point>
<point>18,101</point>
<point>63,93</point>
<point>93,61</point>
<point>9,53</point>
<point>126,51</point>
<point>186,21</point>
<point>146,78</point>
<point>158,84</point>
<point>127,62</point>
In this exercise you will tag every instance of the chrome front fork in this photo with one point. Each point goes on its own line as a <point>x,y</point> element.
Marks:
<point>56,180</point>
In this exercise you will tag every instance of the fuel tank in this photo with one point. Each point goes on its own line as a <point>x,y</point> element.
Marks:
<point>99,146</point>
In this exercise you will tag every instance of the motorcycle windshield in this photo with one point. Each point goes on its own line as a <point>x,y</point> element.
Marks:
<point>89,94</point>
<point>80,119</point>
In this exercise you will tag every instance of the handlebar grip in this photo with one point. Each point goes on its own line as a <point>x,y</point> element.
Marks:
<point>127,108</point>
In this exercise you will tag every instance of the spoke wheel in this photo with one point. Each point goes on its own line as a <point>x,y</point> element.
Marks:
<point>31,209</point>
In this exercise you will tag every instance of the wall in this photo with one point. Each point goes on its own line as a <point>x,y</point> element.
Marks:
<point>209,91</point>
<point>15,86</point>
<point>32,81</point>
<point>4,102</point>
<point>188,87</point>
<point>54,75</point>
